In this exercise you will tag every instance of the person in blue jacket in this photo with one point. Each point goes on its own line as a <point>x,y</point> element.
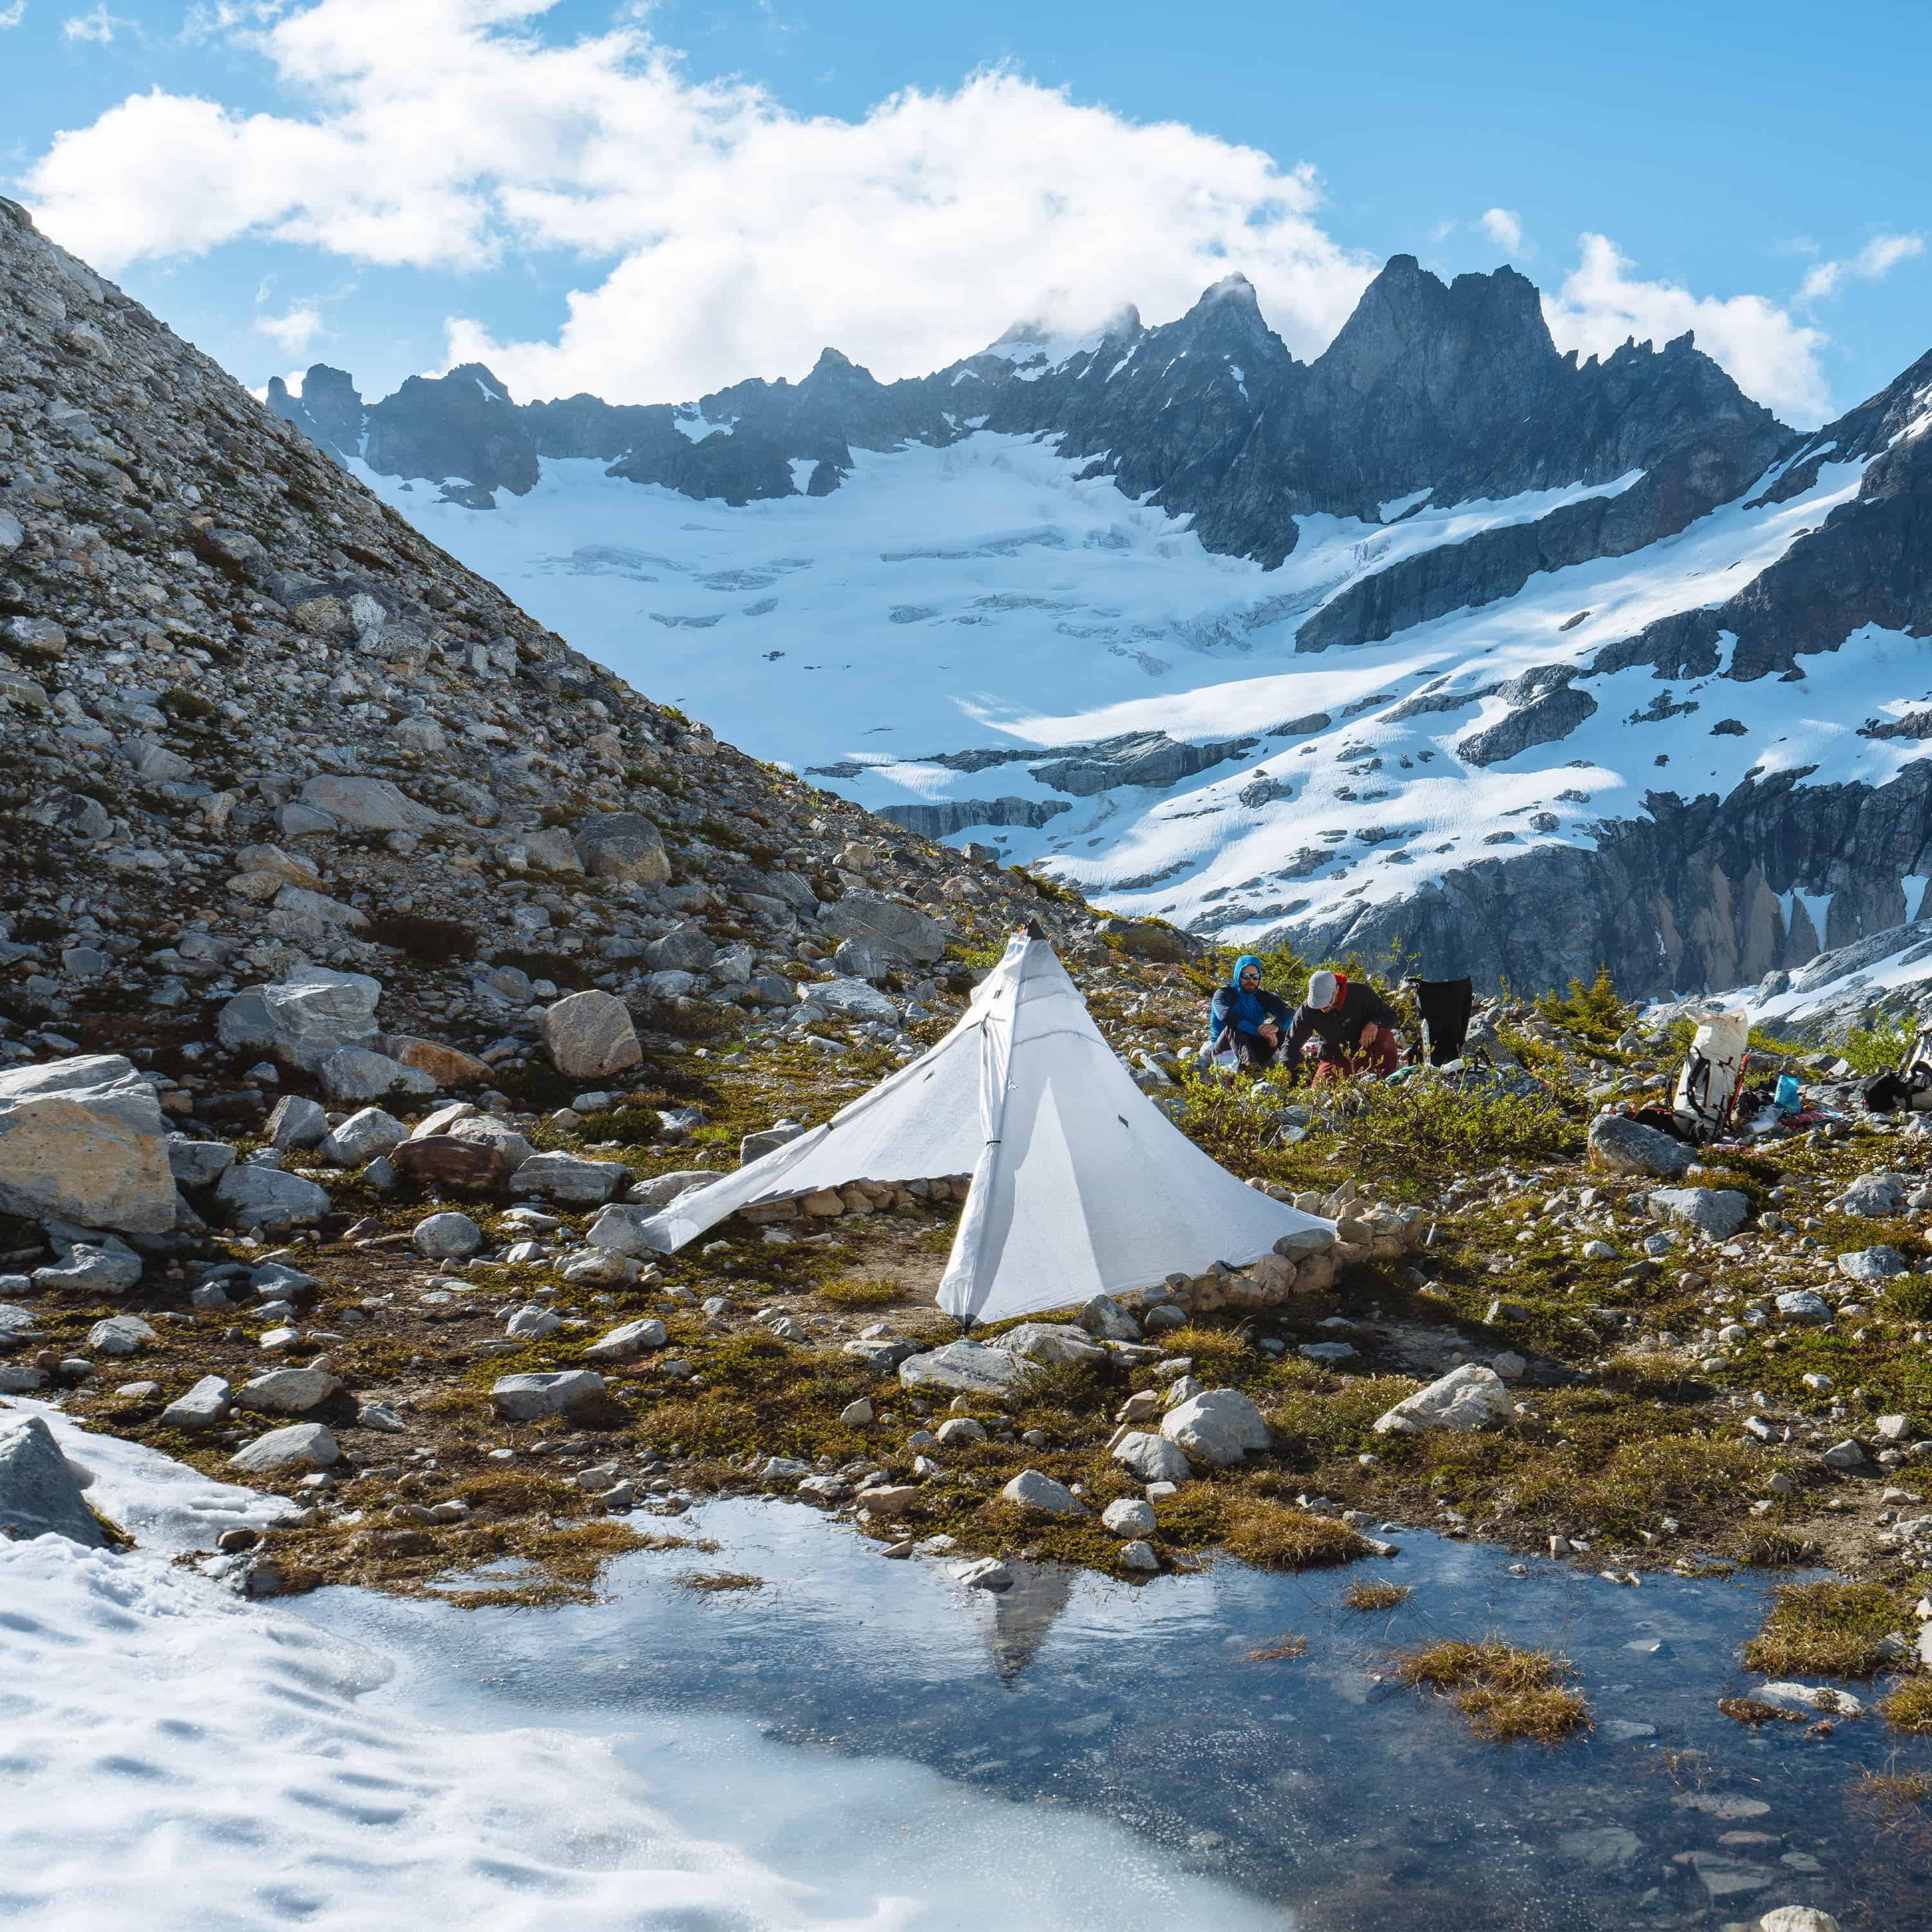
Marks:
<point>1246,1019</point>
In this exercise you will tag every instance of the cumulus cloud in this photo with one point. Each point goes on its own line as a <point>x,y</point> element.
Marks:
<point>740,238</point>
<point>723,235</point>
<point>12,16</point>
<point>1878,257</point>
<point>1504,227</point>
<point>295,330</point>
<point>1602,303</point>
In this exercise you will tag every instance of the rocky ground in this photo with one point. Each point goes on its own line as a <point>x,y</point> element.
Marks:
<point>373,964</point>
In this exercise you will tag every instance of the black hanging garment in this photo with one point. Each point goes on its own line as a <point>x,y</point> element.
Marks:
<point>1446,1005</point>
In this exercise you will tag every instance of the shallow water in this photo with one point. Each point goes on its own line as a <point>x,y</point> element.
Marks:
<point>1331,1801</point>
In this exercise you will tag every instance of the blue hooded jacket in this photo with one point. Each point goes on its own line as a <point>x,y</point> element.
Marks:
<point>1245,1012</point>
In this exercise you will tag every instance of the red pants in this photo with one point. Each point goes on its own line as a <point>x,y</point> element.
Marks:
<point>1380,1059</point>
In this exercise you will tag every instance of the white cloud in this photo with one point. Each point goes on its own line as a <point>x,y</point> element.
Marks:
<point>1504,227</point>
<point>294,331</point>
<point>99,25</point>
<point>12,16</point>
<point>1770,355</point>
<point>733,237</point>
<point>207,18</point>
<point>745,237</point>
<point>1878,257</point>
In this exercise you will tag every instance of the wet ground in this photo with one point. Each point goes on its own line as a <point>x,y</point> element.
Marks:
<point>1332,1799</point>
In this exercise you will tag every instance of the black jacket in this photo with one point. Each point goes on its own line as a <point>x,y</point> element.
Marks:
<point>1340,1030</point>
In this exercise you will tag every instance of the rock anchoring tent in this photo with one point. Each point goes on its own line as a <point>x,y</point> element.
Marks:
<point>1080,1185</point>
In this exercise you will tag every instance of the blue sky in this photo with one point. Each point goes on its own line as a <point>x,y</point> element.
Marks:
<point>384,184</point>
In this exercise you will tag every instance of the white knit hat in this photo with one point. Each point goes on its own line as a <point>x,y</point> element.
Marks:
<point>1321,989</point>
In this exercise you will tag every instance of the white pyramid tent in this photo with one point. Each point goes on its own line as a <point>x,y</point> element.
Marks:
<point>1080,1185</point>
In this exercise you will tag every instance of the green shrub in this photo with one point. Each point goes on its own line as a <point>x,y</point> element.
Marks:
<point>1594,1012</point>
<point>1427,1125</point>
<point>1876,1049</point>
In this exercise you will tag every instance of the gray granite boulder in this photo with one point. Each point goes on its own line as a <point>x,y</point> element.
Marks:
<point>1624,1146</point>
<point>253,1196</point>
<point>39,1493</point>
<point>529,1397</point>
<point>590,1036</point>
<point>1219,1427</point>
<point>302,1445</point>
<point>303,1019</point>
<point>84,1140</point>
<point>1464,1399</point>
<point>964,1368</point>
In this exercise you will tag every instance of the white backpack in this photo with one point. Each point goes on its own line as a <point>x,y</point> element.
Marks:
<point>1708,1082</point>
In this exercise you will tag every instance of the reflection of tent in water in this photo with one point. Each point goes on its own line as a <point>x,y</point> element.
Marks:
<point>1080,1185</point>
<point>1024,1615</point>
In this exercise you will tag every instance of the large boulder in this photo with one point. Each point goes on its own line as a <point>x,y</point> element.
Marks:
<point>446,1065</point>
<point>685,949</point>
<point>1153,1458</point>
<point>302,1445</point>
<point>252,1196</point>
<point>198,1163</point>
<point>1218,1426</point>
<point>1050,1341</point>
<point>899,932</point>
<point>964,1368</point>
<point>1464,1399</point>
<point>1718,1212</point>
<point>446,1237</point>
<point>353,1074</point>
<point>623,845</point>
<point>849,1000</point>
<point>1876,1196</point>
<point>620,1230</point>
<point>87,1269</point>
<point>287,1391</point>
<point>1871,1264</point>
<point>362,1138</point>
<point>661,1189</point>
<point>569,1179</point>
<point>84,1140</point>
<point>368,804</point>
<point>1038,1494</point>
<point>528,1398</point>
<point>457,1146</point>
<point>626,1343</point>
<point>303,1019</point>
<point>297,1122</point>
<point>590,1036</point>
<point>1621,1146</point>
<point>39,1493</point>
<point>204,1406</point>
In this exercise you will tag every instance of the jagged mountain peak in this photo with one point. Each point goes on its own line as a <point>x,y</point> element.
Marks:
<point>1411,326</point>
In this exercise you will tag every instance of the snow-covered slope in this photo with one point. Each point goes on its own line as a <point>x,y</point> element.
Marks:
<point>1640,713</point>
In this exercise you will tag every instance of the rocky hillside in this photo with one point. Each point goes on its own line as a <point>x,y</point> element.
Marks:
<point>256,722</point>
<point>1630,666</point>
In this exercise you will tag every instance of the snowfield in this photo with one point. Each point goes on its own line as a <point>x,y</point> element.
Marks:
<point>983,598</point>
<point>178,1760</point>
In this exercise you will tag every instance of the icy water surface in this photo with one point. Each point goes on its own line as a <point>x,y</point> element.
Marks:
<point>1328,1799</point>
